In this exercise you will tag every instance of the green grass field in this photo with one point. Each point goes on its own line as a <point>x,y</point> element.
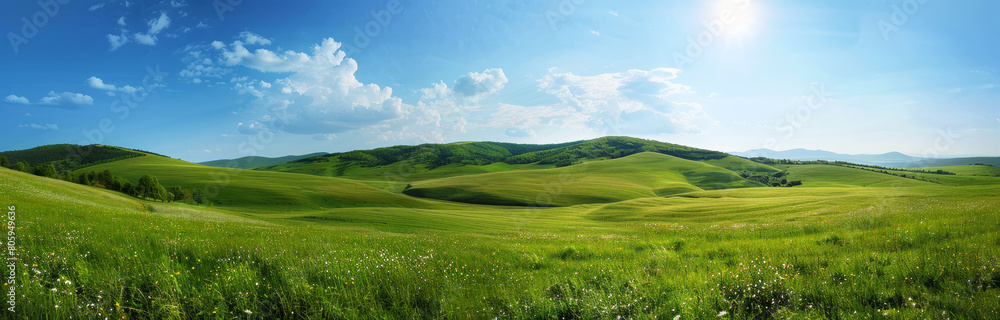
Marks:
<point>648,236</point>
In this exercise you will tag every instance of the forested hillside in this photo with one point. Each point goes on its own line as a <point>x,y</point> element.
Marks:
<point>70,156</point>
<point>484,153</point>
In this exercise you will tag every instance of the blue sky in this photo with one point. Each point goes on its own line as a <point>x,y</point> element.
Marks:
<point>223,79</point>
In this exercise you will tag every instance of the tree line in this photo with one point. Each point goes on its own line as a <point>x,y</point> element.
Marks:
<point>148,187</point>
<point>776,179</point>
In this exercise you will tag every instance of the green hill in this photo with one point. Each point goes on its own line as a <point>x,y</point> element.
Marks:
<point>260,191</point>
<point>824,175</point>
<point>255,161</point>
<point>71,156</point>
<point>430,161</point>
<point>968,170</point>
<point>641,175</point>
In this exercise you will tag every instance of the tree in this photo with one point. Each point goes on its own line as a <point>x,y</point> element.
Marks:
<point>83,179</point>
<point>199,196</point>
<point>128,188</point>
<point>179,194</point>
<point>69,176</point>
<point>46,170</point>
<point>21,166</point>
<point>150,188</point>
<point>4,162</point>
<point>105,177</point>
<point>115,183</point>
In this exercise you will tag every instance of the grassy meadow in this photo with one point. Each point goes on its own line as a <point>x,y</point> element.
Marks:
<point>648,236</point>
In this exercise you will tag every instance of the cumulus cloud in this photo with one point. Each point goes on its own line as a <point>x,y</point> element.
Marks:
<point>476,85</point>
<point>121,21</point>
<point>97,83</point>
<point>158,24</point>
<point>16,99</point>
<point>96,6</point>
<point>144,38</point>
<point>320,96</point>
<point>251,38</point>
<point>631,102</point>
<point>47,126</point>
<point>117,41</point>
<point>111,89</point>
<point>66,99</point>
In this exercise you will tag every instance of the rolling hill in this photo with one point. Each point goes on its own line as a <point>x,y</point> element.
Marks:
<point>430,161</point>
<point>640,175</point>
<point>71,156</point>
<point>601,238</point>
<point>260,191</point>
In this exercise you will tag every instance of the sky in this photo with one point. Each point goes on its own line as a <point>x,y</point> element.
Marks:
<point>221,79</point>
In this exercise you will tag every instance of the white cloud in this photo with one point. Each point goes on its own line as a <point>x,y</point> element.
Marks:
<point>201,25</point>
<point>146,39</point>
<point>251,38</point>
<point>47,126</point>
<point>178,4</point>
<point>157,25</point>
<point>121,21</point>
<point>16,99</point>
<point>66,99</point>
<point>520,132</point>
<point>320,96</point>
<point>96,6</point>
<point>632,102</point>
<point>252,128</point>
<point>613,13</point>
<point>594,32</point>
<point>117,41</point>
<point>111,89</point>
<point>97,83</point>
<point>475,85</point>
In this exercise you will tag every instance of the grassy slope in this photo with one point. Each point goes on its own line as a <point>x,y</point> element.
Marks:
<point>636,176</point>
<point>819,175</point>
<point>968,170</point>
<point>260,191</point>
<point>737,164</point>
<point>820,252</point>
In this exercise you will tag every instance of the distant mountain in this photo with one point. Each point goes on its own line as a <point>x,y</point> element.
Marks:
<point>885,159</point>
<point>992,161</point>
<point>891,159</point>
<point>254,161</point>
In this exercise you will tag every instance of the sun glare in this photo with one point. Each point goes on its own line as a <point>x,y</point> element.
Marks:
<point>733,18</point>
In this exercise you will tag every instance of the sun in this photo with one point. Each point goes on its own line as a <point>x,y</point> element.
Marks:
<point>734,18</point>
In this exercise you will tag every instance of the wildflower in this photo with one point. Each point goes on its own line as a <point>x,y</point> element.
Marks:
<point>248,311</point>
<point>722,313</point>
